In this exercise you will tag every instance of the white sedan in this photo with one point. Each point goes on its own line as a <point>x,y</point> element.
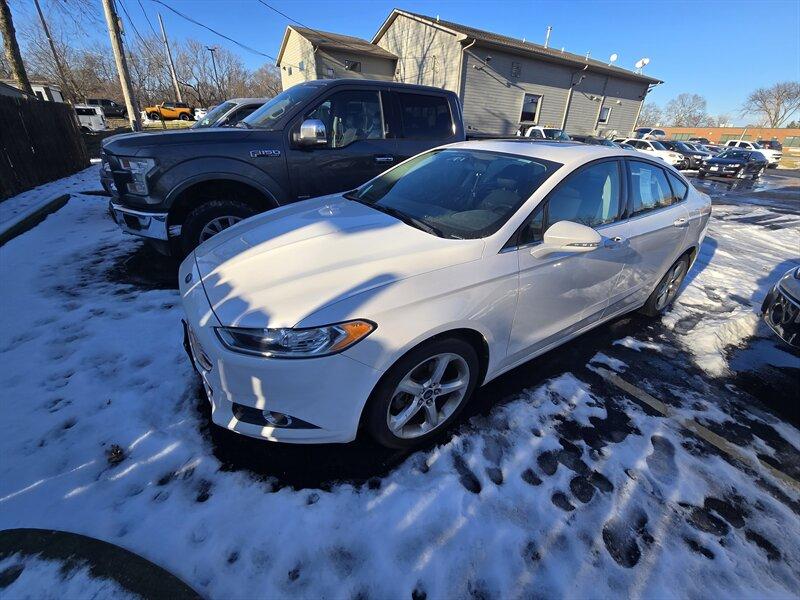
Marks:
<point>383,308</point>
<point>656,149</point>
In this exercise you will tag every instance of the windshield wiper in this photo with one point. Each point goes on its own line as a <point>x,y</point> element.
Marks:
<point>397,214</point>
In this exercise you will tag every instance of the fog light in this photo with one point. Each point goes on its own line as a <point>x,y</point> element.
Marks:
<point>277,419</point>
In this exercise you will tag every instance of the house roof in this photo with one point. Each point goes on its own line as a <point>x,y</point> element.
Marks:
<point>517,45</point>
<point>335,41</point>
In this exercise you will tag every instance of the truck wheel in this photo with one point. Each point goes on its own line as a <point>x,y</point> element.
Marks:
<point>154,117</point>
<point>184,117</point>
<point>209,219</point>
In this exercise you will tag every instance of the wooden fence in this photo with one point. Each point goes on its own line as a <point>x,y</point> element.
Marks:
<point>39,142</point>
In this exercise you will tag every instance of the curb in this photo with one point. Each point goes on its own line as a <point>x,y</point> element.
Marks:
<point>131,571</point>
<point>30,218</point>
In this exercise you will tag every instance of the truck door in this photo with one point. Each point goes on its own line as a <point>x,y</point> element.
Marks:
<point>425,120</point>
<point>358,145</point>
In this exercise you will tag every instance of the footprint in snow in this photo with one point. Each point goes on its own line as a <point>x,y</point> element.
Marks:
<point>465,475</point>
<point>661,460</point>
<point>625,535</point>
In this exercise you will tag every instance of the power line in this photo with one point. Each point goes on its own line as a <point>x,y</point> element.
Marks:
<point>133,25</point>
<point>149,22</point>
<point>214,31</point>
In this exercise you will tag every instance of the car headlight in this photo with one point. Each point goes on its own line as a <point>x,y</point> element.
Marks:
<point>139,169</point>
<point>311,342</point>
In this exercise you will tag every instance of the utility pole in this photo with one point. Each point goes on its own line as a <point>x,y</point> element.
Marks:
<point>175,85</point>
<point>59,66</point>
<point>11,49</point>
<point>213,49</point>
<point>112,20</point>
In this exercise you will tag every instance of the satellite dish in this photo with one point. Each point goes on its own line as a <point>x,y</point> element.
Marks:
<point>613,58</point>
<point>645,61</point>
<point>640,63</point>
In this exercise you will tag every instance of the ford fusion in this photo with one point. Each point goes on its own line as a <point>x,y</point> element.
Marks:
<point>385,307</point>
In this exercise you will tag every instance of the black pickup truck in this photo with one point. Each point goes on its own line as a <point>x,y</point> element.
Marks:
<point>321,137</point>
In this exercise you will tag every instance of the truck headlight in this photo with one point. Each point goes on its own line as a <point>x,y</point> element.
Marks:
<point>310,342</point>
<point>139,169</point>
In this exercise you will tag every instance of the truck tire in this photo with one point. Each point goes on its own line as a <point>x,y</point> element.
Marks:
<point>209,218</point>
<point>184,117</point>
<point>154,116</point>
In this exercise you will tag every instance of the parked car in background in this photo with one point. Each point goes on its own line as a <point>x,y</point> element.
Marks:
<point>178,188</point>
<point>699,140</point>
<point>656,149</point>
<point>692,157</point>
<point>772,156</point>
<point>169,111</point>
<point>200,113</point>
<point>713,148</point>
<point>388,305</point>
<point>624,146</point>
<point>649,133</point>
<point>542,133</point>
<point>771,145</point>
<point>735,163</point>
<point>109,107</point>
<point>781,308</point>
<point>90,118</point>
<point>230,112</point>
<point>592,140</point>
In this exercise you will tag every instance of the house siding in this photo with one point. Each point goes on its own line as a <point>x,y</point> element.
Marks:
<point>372,67</point>
<point>299,51</point>
<point>428,55</point>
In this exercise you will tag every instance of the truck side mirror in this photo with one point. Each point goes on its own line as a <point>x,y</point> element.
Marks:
<point>312,133</point>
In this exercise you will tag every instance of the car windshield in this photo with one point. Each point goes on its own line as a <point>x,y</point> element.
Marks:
<point>657,145</point>
<point>757,146</point>
<point>735,154</point>
<point>460,194</point>
<point>683,147</point>
<point>555,134</point>
<point>605,142</point>
<point>266,116</point>
<point>212,116</point>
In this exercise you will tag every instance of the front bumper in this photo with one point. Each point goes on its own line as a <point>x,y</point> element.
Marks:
<point>136,222</point>
<point>322,397</point>
<point>781,313</point>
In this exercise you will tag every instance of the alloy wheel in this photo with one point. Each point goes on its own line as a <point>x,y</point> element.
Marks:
<point>214,226</point>
<point>428,395</point>
<point>670,286</point>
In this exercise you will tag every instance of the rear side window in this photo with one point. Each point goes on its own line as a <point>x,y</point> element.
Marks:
<point>86,112</point>
<point>678,187</point>
<point>425,117</point>
<point>649,187</point>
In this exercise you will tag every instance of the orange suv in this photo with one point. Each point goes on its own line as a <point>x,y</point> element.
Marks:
<point>170,110</point>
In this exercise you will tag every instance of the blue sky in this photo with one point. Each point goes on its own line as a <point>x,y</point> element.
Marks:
<point>721,50</point>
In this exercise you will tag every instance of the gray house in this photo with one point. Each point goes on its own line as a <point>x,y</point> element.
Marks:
<point>504,82</point>
<point>307,54</point>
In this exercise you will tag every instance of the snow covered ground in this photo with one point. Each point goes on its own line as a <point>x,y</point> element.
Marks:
<point>563,486</point>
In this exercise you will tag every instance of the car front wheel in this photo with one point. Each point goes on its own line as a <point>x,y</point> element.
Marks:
<point>422,393</point>
<point>758,173</point>
<point>209,219</point>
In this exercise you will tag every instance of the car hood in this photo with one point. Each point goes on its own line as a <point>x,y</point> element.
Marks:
<point>727,161</point>
<point>280,267</point>
<point>142,144</point>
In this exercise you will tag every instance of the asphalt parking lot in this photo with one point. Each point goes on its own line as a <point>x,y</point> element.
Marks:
<point>597,460</point>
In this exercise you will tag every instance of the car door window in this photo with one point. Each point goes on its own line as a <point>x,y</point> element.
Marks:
<point>241,113</point>
<point>350,116</point>
<point>649,187</point>
<point>425,117</point>
<point>591,197</point>
<point>679,188</point>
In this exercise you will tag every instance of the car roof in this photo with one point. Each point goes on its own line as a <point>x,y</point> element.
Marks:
<point>376,82</point>
<point>562,152</point>
<point>247,100</point>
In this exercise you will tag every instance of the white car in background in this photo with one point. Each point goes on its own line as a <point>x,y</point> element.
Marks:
<point>543,133</point>
<point>386,306</point>
<point>773,156</point>
<point>90,118</point>
<point>656,149</point>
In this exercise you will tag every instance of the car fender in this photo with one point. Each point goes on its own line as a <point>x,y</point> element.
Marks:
<point>188,173</point>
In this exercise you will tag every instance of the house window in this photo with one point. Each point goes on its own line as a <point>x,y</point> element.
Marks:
<point>302,66</point>
<point>353,65</point>
<point>605,113</point>
<point>289,70</point>
<point>329,73</point>
<point>530,108</point>
<point>515,68</point>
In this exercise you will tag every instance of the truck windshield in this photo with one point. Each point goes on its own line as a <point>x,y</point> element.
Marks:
<point>266,116</point>
<point>459,194</point>
<point>212,116</point>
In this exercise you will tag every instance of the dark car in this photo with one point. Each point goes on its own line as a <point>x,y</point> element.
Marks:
<point>699,140</point>
<point>178,188</point>
<point>781,308</point>
<point>735,163</point>
<point>771,145</point>
<point>592,140</point>
<point>692,158</point>
<point>109,107</point>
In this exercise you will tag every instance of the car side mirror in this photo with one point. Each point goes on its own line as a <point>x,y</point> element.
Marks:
<point>312,133</point>
<point>569,237</point>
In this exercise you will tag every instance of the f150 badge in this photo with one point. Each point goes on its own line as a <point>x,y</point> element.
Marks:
<point>260,153</point>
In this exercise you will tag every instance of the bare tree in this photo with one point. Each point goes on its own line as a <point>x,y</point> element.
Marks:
<point>774,105</point>
<point>266,81</point>
<point>721,120</point>
<point>650,115</point>
<point>686,110</point>
<point>11,48</point>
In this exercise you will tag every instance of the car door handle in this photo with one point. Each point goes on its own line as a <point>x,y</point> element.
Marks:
<point>682,222</point>
<point>384,159</point>
<point>615,242</point>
